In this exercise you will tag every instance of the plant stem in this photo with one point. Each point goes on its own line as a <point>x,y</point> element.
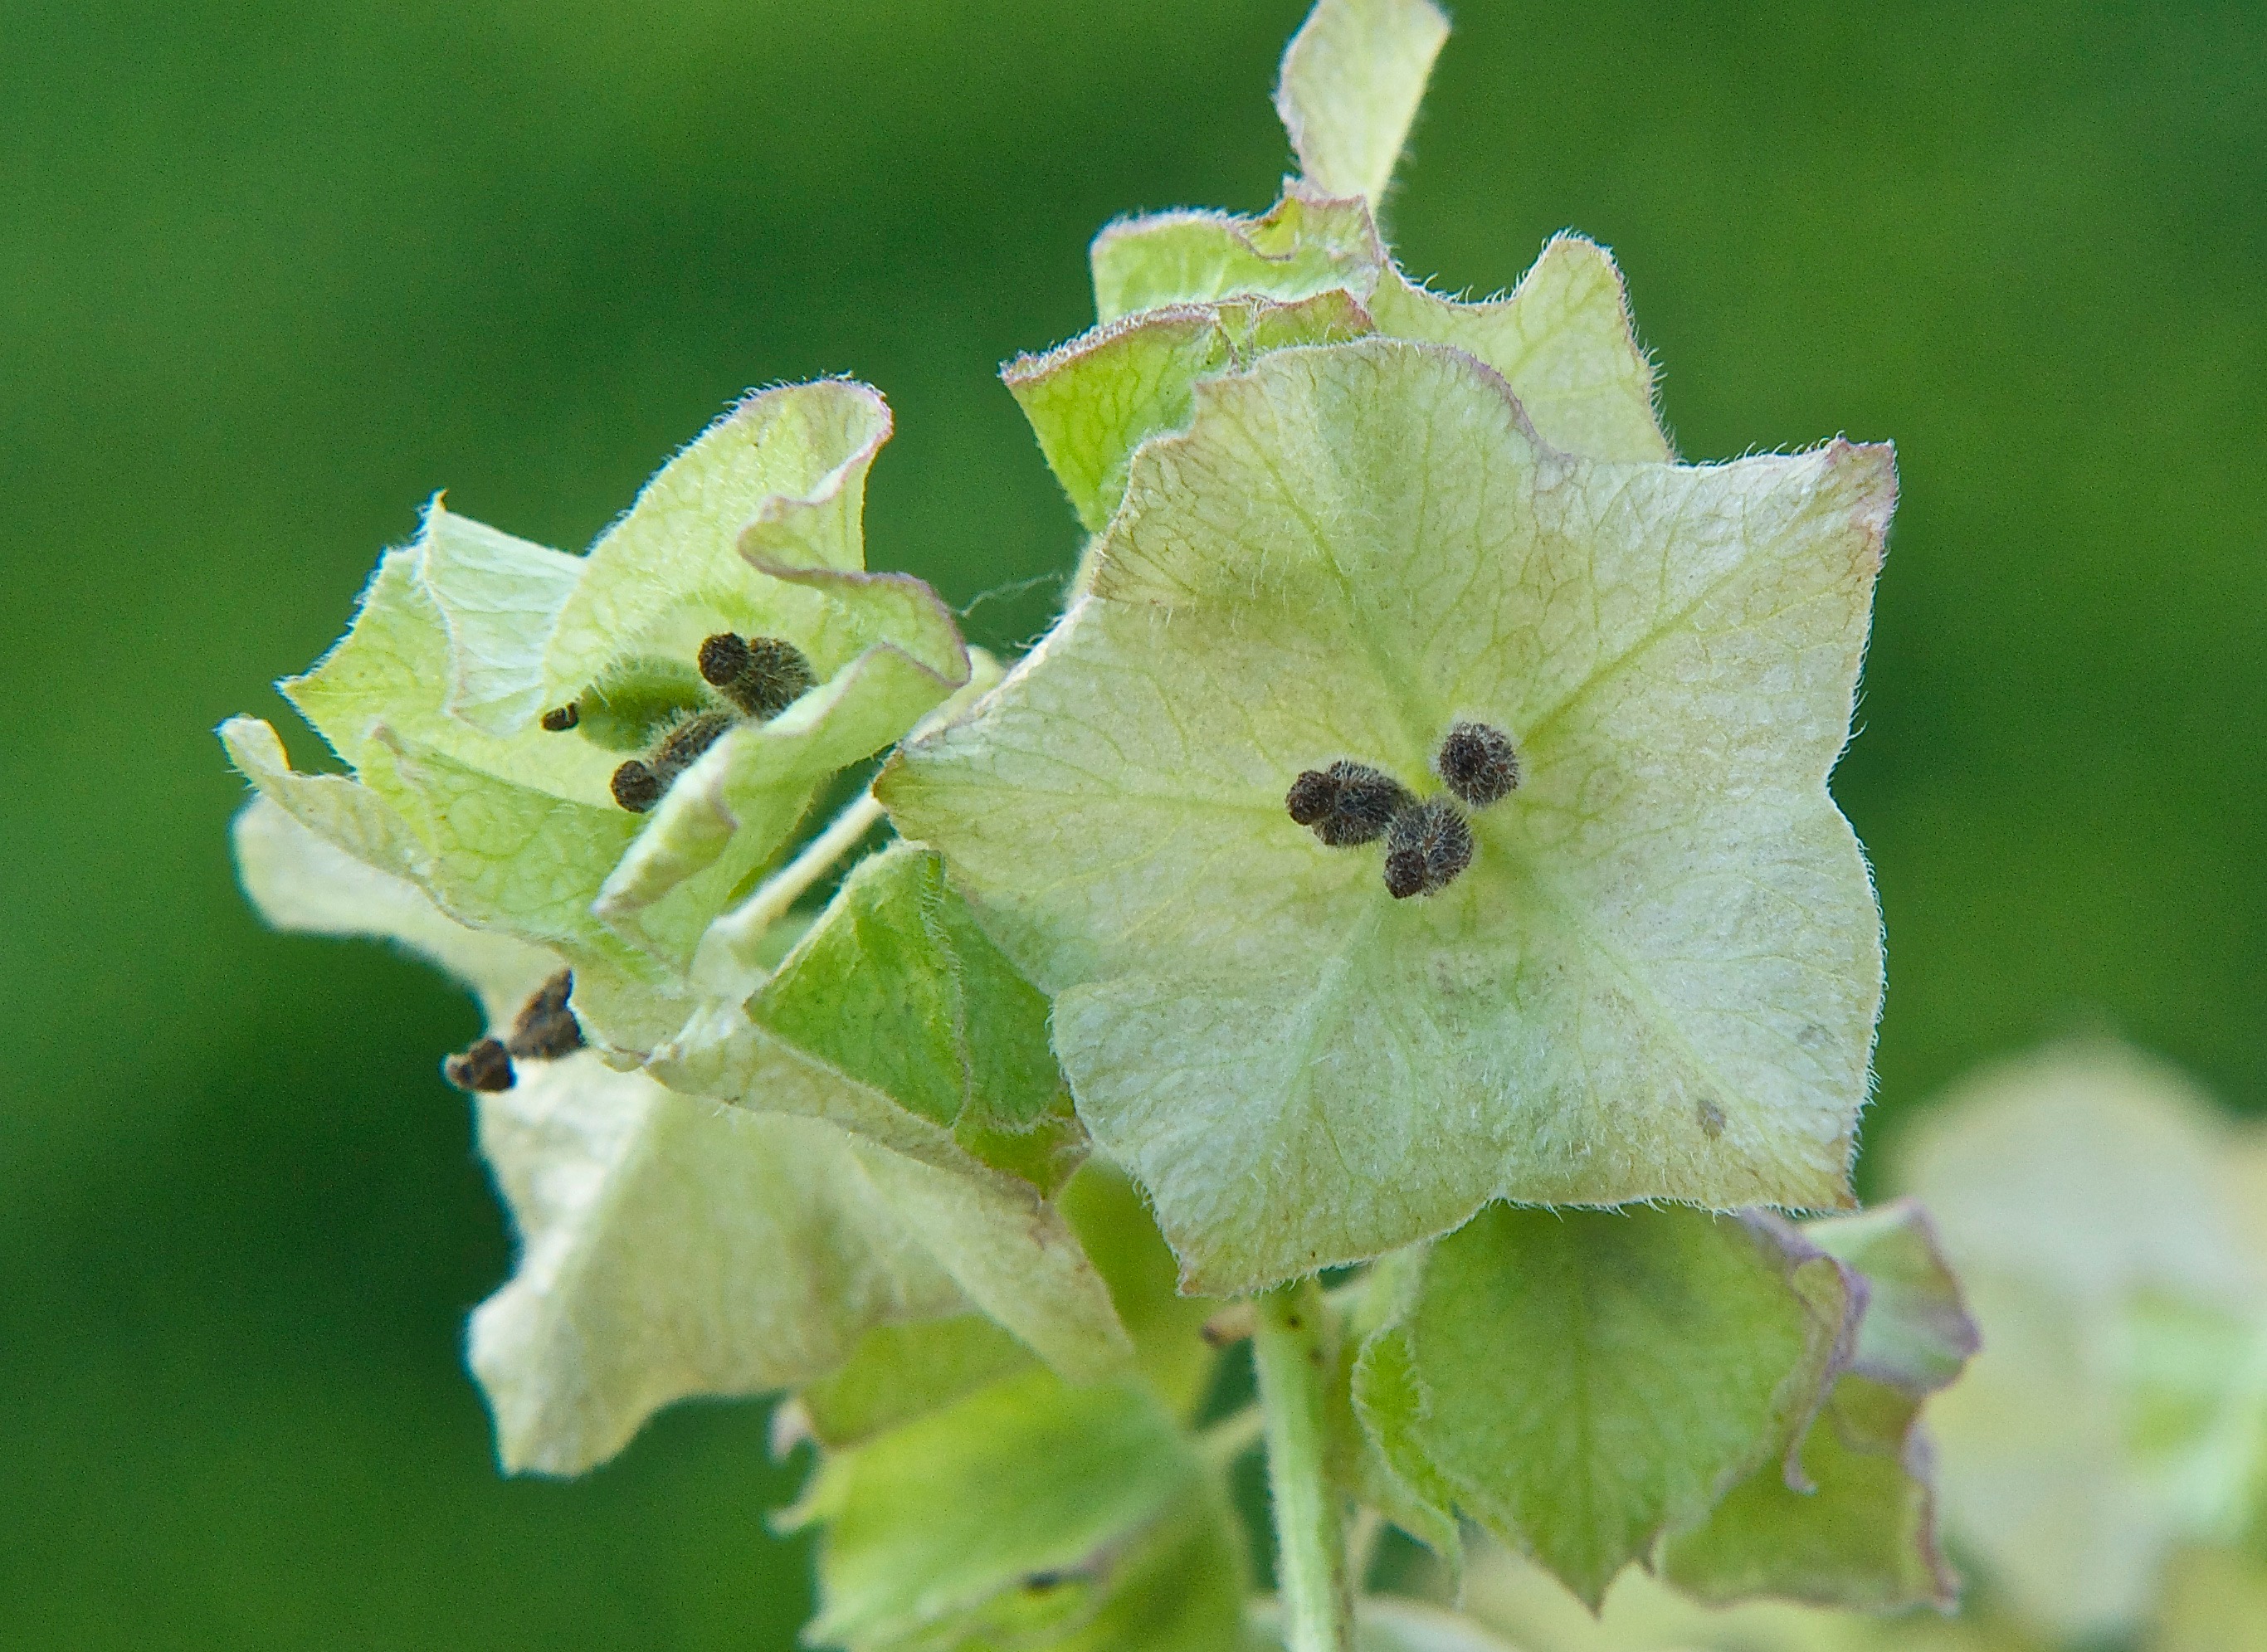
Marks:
<point>725,964</point>
<point>1231,1437</point>
<point>1290,1351</point>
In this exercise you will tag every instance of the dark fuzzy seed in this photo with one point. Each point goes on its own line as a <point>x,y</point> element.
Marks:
<point>640,782</point>
<point>484,1068</point>
<point>545,1028</point>
<point>779,675</point>
<point>558,719</point>
<point>1405,873</point>
<point>763,675</point>
<point>1368,800</point>
<point>681,747</point>
<point>1429,846</point>
<point>1478,763</point>
<point>1312,796</point>
<point>724,657</point>
<point>637,788</point>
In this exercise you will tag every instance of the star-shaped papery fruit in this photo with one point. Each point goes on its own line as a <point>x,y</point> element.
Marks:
<point>1654,974</point>
<point>494,697</point>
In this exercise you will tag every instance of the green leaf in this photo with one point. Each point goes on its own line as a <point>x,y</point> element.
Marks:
<point>1061,1516</point>
<point>303,882</point>
<point>902,1372</point>
<point>1351,82</point>
<point>1583,1382</point>
<point>392,679</point>
<point>669,1247</point>
<point>2102,1216</point>
<point>1659,977</point>
<point>896,1017</point>
<point>897,990</point>
<point>509,856</point>
<point>1862,1537</point>
<point>1092,401</point>
<point>1858,1528</point>
<point>1402,1486</point>
<point>1013,1255</point>
<point>1182,1588</point>
<point>1562,339</point>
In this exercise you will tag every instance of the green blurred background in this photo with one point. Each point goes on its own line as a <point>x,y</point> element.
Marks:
<point>270,274</point>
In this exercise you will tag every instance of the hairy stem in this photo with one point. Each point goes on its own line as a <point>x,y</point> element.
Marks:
<point>1290,1351</point>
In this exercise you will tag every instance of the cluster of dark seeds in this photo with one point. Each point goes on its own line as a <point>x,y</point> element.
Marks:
<point>544,1030</point>
<point>758,677</point>
<point>1428,842</point>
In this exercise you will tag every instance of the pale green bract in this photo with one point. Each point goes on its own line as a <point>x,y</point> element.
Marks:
<point>466,636</point>
<point>1658,979</point>
<point>1351,81</point>
<point>670,1247</point>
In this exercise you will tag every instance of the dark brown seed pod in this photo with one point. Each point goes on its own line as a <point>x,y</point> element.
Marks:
<point>763,675</point>
<point>1368,800</point>
<point>640,782</point>
<point>681,747</point>
<point>1477,761</point>
<point>723,657</point>
<point>1346,804</point>
<point>545,1028</point>
<point>484,1068</point>
<point>558,719</point>
<point>636,787</point>
<point>1312,796</point>
<point>1430,844</point>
